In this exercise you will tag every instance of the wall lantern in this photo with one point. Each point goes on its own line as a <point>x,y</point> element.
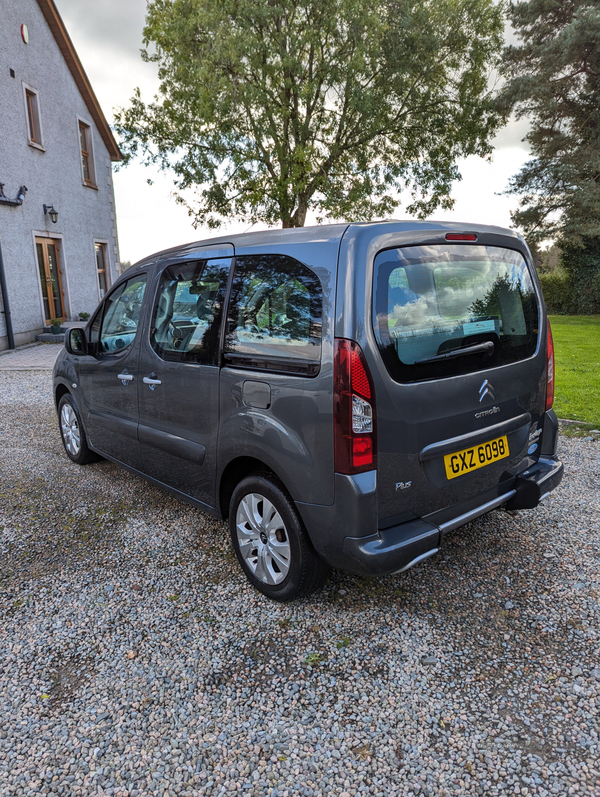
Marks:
<point>49,210</point>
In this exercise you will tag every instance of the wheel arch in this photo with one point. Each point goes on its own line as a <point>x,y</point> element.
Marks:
<point>59,392</point>
<point>235,471</point>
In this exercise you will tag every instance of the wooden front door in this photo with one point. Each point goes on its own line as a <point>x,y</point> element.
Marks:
<point>48,263</point>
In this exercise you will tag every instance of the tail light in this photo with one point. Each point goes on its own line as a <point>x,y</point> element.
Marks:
<point>550,374</point>
<point>461,236</point>
<point>354,410</point>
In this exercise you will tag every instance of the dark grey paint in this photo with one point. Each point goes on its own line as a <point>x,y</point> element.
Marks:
<point>110,407</point>
<point>293,437</point>
<point>179,419</point>
<point>200,419</point>
<point>411,417</point>
<point>256,394</point>
<point>182,410</point>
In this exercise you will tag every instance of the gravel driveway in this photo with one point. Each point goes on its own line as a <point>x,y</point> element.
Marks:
<point>136,660</point>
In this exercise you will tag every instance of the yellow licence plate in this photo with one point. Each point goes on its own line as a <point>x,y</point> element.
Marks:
<point>477,457</point>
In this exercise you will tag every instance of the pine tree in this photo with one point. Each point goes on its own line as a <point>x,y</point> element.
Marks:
<point>553,79</point>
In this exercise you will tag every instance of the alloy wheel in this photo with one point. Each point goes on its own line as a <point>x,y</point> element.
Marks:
<point>71,433</point>
<point>263,539</point>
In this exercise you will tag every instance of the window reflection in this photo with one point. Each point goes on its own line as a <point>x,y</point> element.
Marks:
<point>121,316</point>
<point>187,313</point>
<point>430,300</point>
<point>275,310</point>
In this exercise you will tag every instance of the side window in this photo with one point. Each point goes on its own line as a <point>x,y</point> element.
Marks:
<point>121,315</point>
<point>275,315</point>
<point>187,313</point>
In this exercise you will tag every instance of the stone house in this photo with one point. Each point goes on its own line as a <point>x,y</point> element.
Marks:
<point>58,236</point>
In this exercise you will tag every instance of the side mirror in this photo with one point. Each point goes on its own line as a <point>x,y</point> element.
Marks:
<point>75,342</point>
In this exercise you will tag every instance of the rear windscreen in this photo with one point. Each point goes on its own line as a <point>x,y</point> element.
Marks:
<point>452,309</point>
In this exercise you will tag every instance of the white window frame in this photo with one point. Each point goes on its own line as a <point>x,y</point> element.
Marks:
<point>37,144</point>
<point>92,183</point>
<point>107,264</point>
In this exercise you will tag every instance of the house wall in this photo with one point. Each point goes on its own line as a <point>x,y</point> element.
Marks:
<point>53,176</point>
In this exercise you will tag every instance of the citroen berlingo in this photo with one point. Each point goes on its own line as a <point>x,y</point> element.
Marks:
<point>345,395</point>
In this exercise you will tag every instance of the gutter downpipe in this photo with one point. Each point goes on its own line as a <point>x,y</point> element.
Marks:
<point>6,305</point>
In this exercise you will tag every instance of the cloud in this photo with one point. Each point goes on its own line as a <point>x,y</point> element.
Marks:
<point>115,26</point>
<point>511,136</point>
<point>107,35</point>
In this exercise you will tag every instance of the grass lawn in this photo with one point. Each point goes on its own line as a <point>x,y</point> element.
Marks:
<point>577,352</point>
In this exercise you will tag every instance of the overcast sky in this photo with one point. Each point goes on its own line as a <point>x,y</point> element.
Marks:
<point>107,35</point>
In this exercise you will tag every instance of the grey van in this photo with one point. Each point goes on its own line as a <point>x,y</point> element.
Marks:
<point>345,395</point>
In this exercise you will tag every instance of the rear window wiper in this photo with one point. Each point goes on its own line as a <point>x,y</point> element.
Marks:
<point>479,348</point>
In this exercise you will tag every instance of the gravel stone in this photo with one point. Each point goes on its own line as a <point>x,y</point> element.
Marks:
<point>220,697</point>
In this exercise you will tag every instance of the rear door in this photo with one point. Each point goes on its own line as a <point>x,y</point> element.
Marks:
<point>460,382</point>
<point>179,377</point>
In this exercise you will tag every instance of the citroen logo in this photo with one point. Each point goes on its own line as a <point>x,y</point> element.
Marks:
<point>486,389</point>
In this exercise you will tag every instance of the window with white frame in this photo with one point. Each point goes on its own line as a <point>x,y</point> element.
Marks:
<point>101,267</point>
<point>32,107</point>
<point>87,160</point>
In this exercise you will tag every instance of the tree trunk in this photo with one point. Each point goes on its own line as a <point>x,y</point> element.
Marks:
<point>299,217</point>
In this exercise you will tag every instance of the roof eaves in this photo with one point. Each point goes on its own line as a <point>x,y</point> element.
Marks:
<point>69,53</point>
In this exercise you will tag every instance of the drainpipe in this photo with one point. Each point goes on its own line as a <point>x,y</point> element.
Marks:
<point>4,200</point>
<point>5,304</point>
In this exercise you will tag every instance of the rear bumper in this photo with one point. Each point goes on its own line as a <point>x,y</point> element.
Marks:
<point>336,532</point>
<point>536,483</point>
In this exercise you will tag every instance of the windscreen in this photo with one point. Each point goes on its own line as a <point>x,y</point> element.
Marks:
<point>452,309</point>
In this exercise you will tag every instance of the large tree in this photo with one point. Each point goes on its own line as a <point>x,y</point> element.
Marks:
<point>271,107</point>
<point>553,79</point>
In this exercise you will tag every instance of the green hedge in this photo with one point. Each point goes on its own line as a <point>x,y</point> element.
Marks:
<point>558,294</point>
<point>581,264</point>
<point>575,288</point>
<point>584,287</point>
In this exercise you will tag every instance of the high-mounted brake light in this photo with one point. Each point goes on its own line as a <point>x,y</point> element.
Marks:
<point>354,410</point>
<point>550,372</point>
<point>461,236</point>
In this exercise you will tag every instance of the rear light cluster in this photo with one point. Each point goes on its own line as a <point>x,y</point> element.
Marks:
<point>354,408</point>
<point>550,373</point>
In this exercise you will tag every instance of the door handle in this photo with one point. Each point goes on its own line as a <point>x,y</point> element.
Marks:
<point>152,381</point>
<point>125,377</point>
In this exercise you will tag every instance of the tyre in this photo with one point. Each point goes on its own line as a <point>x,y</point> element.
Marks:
<point>72,432</point>
<point>270,541</point>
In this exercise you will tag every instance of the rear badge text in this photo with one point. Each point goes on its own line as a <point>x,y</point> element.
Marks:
<point>484,413</point>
